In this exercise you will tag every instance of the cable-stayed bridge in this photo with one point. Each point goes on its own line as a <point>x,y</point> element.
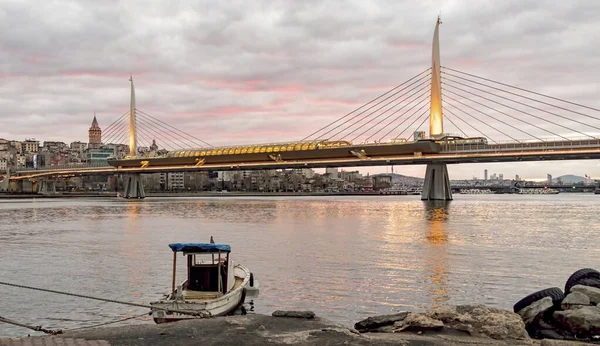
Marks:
<point>440,116</point>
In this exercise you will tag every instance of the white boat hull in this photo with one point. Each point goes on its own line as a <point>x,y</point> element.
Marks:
<point>219,306</point>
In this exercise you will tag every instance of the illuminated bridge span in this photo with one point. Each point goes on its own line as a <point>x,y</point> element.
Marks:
<point>489,121</point>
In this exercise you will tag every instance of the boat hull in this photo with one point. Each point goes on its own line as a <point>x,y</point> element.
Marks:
<point>220,306</point>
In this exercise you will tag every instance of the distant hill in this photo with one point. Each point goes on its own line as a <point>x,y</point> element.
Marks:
<point>569,179</point>
<point>399,178</point>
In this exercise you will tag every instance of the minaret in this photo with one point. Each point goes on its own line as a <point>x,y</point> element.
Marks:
<point>435,111</point>
<point>95,134</point>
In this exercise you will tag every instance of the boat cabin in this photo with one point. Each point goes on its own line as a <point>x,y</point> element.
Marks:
<point>209,269</point>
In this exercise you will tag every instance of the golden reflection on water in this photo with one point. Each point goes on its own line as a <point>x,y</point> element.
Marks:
<point>437,252</point>
<point>132,246</point>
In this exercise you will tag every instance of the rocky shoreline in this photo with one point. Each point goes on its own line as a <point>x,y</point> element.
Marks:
<point>546,318</point>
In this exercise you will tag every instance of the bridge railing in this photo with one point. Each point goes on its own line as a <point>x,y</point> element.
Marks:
<point>503,146</point>
<point>63,167</point>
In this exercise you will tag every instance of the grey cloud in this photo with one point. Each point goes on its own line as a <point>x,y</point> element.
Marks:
<point>277,69</point>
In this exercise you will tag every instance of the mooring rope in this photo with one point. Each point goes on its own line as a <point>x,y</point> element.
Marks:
<point>110,322</point>
<point>201,314</point>
<point>36,328</point>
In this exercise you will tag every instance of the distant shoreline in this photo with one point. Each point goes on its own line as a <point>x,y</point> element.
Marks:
<point>197,194</point>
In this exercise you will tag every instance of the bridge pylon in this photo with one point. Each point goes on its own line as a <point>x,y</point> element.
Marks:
<point>4,184</point>
<point>133,187</point>
<point>437,182</point>
<point>46,187</point>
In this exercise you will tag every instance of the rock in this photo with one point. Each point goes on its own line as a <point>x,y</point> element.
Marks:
<point>583,322</point>
<point>547,342</point>
<point>592,292</point>
<point>575,300</point>
<point>294,314</point>
<point>261,327</point>
<point>418,322</point>
<point>482,321</point>
<point>375,322</point>
<point>536,310</point>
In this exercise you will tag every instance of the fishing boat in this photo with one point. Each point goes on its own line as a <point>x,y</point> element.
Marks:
<point>214,286</point>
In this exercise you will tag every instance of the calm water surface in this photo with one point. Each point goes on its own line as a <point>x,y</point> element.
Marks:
<point>343,257</point>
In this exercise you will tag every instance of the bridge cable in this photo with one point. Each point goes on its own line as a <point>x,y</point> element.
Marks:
<point>526,105</point>
<point>405,104</point>
<point>452,122</point>
<point>422,81</point>
<point>515,109</point>
<point>116,126</point>
<point>167,132</point>
<point>120,118</point>
<point>532,92</point>
<point>419,100</point>
<point>369,114</point>
<point>366,104</point>
<point>164,134</point>
<point>173,127</point>
<point>481,121</point>
<point>153,135</point>
<point>490,116</point>
<point>414,121</point>
<point>423,86</point>
<point>122,139</point>
<point>141,137</point>
<point>422,106</point>
<point>115,134</point>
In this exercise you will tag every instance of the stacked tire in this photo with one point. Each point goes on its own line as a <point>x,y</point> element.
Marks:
<point>545,324</point>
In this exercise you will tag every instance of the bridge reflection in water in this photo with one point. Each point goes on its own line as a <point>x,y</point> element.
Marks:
<point>436,252</point>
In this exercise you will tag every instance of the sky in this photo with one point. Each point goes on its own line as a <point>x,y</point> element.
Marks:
<point>237,72</point>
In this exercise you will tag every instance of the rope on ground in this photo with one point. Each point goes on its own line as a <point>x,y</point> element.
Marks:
<point>201,313</point>
<point>110,322</point>
<point>36,328</point>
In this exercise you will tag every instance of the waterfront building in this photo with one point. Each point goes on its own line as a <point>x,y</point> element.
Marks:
<point>95,135</point>
<point>99,156</point>
<point>501,176</point>
<point>485,174</point>
<point>332,172</point>
<point>30,146</point>
<point>549,178</point>
<point>78,146</point>
<point>3,164</point>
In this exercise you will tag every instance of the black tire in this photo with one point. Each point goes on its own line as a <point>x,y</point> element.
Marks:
<point>585,273</point>
<point>588,282</point>
<point>555,293</point>
<point>251,280</point>
<point>243,298</point>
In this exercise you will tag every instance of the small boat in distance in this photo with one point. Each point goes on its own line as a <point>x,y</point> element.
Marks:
<point>214,285</point>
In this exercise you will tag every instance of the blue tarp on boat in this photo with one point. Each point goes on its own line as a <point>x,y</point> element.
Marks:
<point>199,247</point>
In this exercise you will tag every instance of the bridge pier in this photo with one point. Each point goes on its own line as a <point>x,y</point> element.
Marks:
<point>4,183</point>
<point>46,187</point>
<point>133,187</point>
<point>437,183</point>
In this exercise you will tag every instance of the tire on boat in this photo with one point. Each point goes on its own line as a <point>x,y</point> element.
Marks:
<point>585,273</point>
<point>555,293</point>
<point>251,280</point>
<point>589,282</point>
<point>243,297</point>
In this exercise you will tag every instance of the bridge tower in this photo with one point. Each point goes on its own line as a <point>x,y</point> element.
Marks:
<point>437,183</point>
<point>4,183</point>
<point>132,183</point>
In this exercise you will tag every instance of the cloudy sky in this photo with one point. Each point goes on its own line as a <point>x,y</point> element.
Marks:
<point>236,72</point>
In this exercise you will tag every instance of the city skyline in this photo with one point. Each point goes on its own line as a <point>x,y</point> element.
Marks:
<point>305,65</point>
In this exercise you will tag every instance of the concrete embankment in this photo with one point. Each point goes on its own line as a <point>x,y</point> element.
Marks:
<point>250,330</point>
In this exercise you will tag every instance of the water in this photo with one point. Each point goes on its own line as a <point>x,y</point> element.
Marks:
<point>345,258</point>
